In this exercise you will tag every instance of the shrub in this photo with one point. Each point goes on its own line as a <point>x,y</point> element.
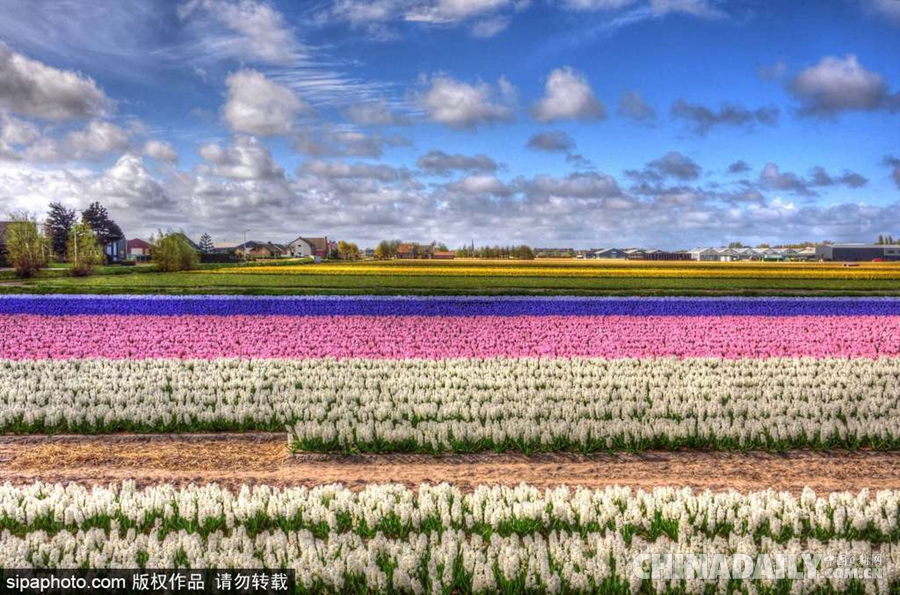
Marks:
<point>27,249</point>
<point>84,250</point>
<point>172,252</point>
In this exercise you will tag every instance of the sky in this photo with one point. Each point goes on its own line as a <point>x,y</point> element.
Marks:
<point>578,123</point>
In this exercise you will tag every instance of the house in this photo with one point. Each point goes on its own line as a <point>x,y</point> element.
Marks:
<point>303,246</point>
<point>254,249</point>
<point>408,250</point>
<point>137,249</point>
<point>443,255</point>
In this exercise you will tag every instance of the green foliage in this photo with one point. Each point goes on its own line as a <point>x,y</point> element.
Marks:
<point>27,249</point>
<point>57,227</point>
<point>85,252</point>
<point>206,243</point>
<point>104,228</point>
<point>171,252</point>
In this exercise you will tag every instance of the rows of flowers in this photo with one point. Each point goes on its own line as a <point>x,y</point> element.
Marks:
<point>62,305</point>
<point>438,539</point>
<point>135,337</point>
<point>461,270</point>
<point>470,404</point>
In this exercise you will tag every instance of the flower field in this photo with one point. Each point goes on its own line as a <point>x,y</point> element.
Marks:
<point>462,375</point>
<point>438,539</point>
<point>585,269</point>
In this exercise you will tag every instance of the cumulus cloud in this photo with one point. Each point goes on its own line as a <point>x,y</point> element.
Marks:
<point>738,167</point>
<point>887,9</point>
<point>633,107</point>
<point>250,30</point>
<point>894,162</point>
<point>553,141</point>
<point>16,132</point>
<point>483,185</point>
<point>362,171</point>
<point>160,150</point>
<point>837,85</point>
<point>701,119</point>
<point>568,96</point>
<point>442,164</point>
<point>575,185</point>
<point>773,178</point>
<point>128,185</point>
<point>374,113</point>
<point>671,165</point>
<point>464,106</point>
<point>31,88</point>
<point>93,142</point>
<point>260,106</point>
<point>244,159</point>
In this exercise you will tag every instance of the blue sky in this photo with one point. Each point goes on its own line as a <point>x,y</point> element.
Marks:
<point>667,123</point>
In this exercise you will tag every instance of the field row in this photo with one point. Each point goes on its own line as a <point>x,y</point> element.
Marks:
<point>769,271</point>
<point>398,337</point>
<point>467,405</point>
<point>439,540</point>
<point>124,305</point>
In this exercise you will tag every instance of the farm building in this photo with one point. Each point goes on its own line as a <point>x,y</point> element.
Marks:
<point>444,255</point>
<point>614,253</point>
<point>858,252</point>
<point>137,249</point>
<point>666,255</point>
<point>706,254</point>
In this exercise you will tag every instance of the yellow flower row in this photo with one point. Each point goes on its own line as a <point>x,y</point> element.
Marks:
<point>783,271</point>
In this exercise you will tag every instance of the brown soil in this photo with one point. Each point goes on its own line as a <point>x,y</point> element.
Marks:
<point>234,459</point>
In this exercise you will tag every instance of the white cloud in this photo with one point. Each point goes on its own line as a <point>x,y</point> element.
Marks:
<point>443,164</point>
<point>31,88</point>
<point>840,84</point>
<point>374,113</point>
<point>160,150</point>
<point>244,159</point>
<point>97,139</point>
<point>128,185</point>
<point>482,184</point>
<point>590,5</point>
<point>490,27</point>
<point>489,16</point>
<point>889,9</point>
<point>568,96</point>
<point>633,107</point>
<point>255,30</point>
<point>260,106</point>
<point>364,171</point>
<point>14,131</point>
<point>698,8</point>
<point>461,105</point>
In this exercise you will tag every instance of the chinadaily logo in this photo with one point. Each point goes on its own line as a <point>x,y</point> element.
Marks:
<point>792,566</point>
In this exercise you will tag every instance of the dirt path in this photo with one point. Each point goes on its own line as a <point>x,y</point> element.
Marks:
<point>231,460</point>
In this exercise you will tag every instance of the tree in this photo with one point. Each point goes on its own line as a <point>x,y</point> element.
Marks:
<point>206,243</point>
<point>57,226</point>
<point>171,252</point>
<point>27,249</point>
<point>525,253</point>
<point>382,250</point>
<point>85,252</point>
<point>880,240</point>
<point>105,229</point>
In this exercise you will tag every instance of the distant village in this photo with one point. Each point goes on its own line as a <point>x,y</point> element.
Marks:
<point>58,225</point>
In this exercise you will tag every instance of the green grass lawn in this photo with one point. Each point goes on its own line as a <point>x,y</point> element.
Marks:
<point>113,280</point>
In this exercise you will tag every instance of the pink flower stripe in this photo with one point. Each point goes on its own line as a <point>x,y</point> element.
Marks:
<point>429,337</point>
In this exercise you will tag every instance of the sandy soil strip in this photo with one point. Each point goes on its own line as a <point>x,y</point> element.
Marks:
<point>234,459</point>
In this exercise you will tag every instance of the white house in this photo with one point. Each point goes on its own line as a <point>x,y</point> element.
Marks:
<point>302,247</point>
